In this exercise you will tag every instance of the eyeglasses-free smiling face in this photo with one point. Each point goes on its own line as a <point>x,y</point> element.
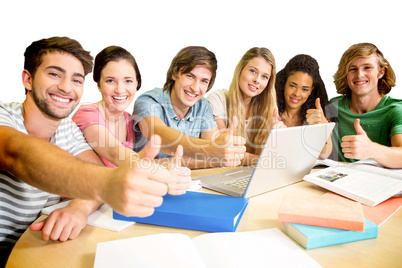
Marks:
<point>118,85</point>
<point>58,84</point>
<point>189,88</point>
<point>254,77</point>
<point>298,88</point>
<point>363,75</point>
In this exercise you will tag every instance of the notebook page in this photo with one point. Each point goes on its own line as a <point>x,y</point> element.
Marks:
<point>159,250</point>
<point>263,248</point>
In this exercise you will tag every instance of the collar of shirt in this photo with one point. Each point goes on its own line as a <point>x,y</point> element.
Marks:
<point>167,104</point>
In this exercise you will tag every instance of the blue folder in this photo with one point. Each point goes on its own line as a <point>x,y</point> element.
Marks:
<point>196,211</point>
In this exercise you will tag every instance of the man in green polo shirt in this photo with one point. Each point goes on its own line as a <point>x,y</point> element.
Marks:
<point>369,123</point>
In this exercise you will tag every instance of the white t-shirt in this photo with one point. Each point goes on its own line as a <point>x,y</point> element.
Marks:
<point>218,99</point>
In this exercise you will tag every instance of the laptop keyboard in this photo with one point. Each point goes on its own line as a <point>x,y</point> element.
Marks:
<point>240,183</point>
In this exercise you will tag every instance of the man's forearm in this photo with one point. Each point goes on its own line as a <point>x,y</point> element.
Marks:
<point>172,138</point>
<point>390,157</point>
<point>88,206</point>
<point>49,168</point>
<point>227,149</point>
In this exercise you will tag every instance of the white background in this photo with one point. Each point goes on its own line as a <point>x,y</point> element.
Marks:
<point>154,31</point>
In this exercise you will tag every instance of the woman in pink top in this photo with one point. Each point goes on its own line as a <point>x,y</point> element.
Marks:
<point>107,127</point>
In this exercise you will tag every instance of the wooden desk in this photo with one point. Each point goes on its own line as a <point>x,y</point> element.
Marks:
<point>261,213</point>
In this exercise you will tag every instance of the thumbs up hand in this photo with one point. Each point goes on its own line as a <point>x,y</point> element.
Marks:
<point>357,146</point>
<point>180,176</point>
<point>228,149</point>
<point>316,116</point>
<point>151,150</point>
<point>358,128</point>
<point>138,185</point>
<point>276,120</point>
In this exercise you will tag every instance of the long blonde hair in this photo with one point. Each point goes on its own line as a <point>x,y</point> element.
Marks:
<point>261,107</point>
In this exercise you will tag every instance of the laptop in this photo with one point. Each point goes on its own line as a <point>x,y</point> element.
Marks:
<point>288,155</point>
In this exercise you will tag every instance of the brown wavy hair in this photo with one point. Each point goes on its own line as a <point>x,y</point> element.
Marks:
<point>363,50</point>
<point>34,53</point>
<point>186,60</point>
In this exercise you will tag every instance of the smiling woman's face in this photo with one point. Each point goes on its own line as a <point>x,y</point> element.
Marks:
<point>118,85</point>
<point>298,88</point>
<point>254,77</point>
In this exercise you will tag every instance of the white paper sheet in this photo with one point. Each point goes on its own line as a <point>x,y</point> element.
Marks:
<point>263,248</point>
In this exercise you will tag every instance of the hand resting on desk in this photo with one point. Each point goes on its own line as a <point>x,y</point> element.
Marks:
<point>64,223</point>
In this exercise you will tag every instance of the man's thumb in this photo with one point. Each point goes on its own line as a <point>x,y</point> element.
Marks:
<point>37,226</point>
<point>177,156</point>
<point>358,128</point>
<point>153,147</point>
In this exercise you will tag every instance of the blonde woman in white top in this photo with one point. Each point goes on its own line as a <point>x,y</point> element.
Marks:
<point>252,99</point>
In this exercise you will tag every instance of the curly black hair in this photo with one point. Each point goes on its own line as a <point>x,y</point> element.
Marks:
<point>306,64</point>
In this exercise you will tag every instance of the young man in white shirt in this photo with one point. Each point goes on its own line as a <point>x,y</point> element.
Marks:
<point>41,151</point>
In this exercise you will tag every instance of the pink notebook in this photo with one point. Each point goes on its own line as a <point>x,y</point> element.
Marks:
<point>329,210</point>
<point>382,212</point>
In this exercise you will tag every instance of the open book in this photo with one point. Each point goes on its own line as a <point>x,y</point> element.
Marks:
<point>362,181</point>
<point>263,248</point>
<point>327,163</point>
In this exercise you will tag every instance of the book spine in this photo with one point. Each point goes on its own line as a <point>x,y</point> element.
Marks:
<point>191,222</point>
<point>323,222</point>
<point>317,237</point>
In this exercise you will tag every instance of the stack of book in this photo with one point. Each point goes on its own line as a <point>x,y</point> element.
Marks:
<point>331,219</point>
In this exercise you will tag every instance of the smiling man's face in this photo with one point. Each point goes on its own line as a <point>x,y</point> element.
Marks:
<point>58,84</point>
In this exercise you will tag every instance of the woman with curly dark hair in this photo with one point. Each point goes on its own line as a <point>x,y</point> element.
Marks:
<point>301,95</point>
